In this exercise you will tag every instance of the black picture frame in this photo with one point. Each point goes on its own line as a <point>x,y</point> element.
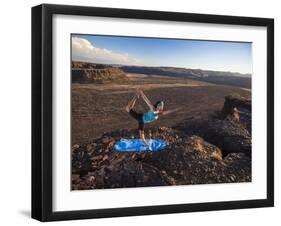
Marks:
<point>42,111</point>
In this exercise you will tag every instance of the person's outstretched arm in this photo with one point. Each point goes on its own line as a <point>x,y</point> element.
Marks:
<point>132,102</point>
<point>171,111</point>
<point>147,101</point>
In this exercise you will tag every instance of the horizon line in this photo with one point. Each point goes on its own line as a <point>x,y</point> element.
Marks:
<point>233,72</point>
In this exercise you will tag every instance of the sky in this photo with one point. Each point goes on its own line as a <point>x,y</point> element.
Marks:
<point>194,54</point>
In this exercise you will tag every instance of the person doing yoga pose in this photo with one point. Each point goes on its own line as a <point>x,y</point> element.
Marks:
<point>143,118</point>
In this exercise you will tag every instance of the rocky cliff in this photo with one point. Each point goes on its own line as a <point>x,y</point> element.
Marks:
<point>96,73</point>
<point>216,151</point>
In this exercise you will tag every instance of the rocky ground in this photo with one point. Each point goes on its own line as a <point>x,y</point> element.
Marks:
<point>217,150</point>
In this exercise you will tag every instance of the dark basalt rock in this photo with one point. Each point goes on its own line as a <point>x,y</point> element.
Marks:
<point>187,160</point>
<point>231,129</point>
<point>238,107</point>
<point>232,102</point>
<point>229,136</point>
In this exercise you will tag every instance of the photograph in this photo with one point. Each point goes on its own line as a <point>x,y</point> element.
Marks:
<point>149,111</point>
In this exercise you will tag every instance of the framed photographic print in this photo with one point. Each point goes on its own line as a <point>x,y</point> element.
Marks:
<point>146,112</point>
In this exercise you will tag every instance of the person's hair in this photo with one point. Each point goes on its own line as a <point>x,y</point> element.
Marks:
<point>159,104</point>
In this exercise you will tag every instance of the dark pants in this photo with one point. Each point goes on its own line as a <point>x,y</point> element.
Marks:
<point>138,117</point>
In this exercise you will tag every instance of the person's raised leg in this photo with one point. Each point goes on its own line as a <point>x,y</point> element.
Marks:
<point>147,101</point>
<point>132,102</point>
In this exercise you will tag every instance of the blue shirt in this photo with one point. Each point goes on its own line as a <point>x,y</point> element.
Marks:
<point>149,116</point>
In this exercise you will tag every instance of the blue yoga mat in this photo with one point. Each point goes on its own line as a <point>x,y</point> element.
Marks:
<point>127,145</point>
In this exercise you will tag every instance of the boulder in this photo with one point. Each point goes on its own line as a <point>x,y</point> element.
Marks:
<point>239,110</point>
<point>237,102</point>
<point>229,136</point>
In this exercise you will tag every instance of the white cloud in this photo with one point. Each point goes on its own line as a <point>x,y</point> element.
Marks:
<point>83,50</point>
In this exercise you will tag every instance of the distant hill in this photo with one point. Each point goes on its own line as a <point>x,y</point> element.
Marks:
<point>84,72</point>
<point>96,73</point>
<point>217,77</point>
<point>176,71</point>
